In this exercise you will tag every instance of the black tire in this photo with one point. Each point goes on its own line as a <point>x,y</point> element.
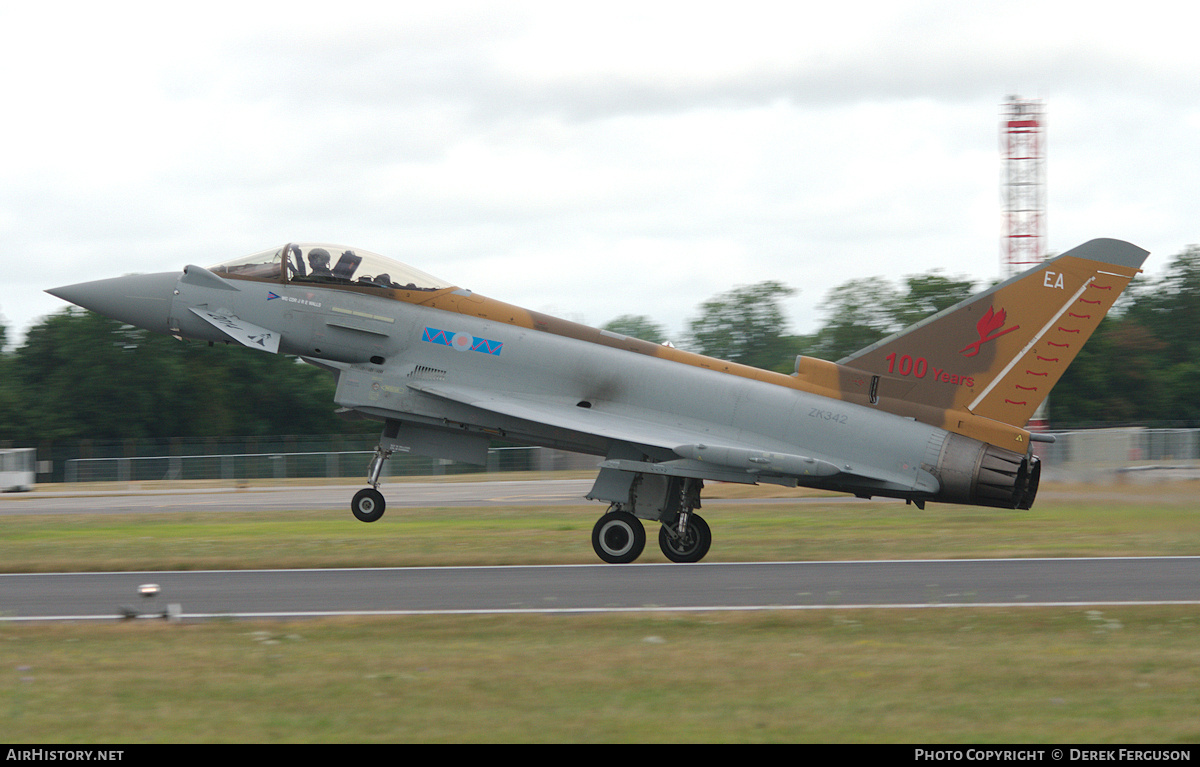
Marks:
<point>618,537</point>
<point>692,547</point>
<point>368,505</point>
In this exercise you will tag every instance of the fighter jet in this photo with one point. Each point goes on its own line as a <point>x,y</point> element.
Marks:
<point>936,412</point>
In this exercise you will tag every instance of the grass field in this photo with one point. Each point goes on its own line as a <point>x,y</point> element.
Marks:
<point>1065,675</point>
<point>1096,525</point>
<point>1125,675</point>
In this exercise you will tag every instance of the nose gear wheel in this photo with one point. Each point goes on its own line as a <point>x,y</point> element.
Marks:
<point>368,505</point>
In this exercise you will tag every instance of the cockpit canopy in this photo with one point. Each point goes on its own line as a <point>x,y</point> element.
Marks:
<point>328,264</point>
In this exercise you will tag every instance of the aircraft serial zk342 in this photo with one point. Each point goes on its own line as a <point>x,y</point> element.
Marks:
<point>933,413</point>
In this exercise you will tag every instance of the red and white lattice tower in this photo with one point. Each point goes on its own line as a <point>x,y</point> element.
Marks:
<point>1023,190</point>
<point>1023,184</point>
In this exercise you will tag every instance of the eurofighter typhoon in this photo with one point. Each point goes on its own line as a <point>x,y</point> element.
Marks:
<point>936,412</point>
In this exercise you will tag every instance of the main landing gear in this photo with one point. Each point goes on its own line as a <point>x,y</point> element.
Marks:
<point>685,541</point>
<point>619,537</point>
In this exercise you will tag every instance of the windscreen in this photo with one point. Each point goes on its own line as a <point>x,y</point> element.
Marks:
<point>332,265</point>
<point>264,265</point>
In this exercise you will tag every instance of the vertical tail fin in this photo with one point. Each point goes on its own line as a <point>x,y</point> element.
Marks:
<point>998,353</point>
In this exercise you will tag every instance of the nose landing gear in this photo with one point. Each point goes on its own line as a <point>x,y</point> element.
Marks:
<point>368,504</point>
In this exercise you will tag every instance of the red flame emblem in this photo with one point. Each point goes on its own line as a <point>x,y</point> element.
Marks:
<point>988,328</point>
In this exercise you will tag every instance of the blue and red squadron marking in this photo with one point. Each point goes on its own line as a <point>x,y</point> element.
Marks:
<point>462,341</point>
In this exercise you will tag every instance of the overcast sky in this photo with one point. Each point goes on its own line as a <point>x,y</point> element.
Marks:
<point>583,159</point>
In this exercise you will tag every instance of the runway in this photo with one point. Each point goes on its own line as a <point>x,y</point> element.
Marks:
<point>132,499</point>
<point>154,498</point>
<point>606,588</point>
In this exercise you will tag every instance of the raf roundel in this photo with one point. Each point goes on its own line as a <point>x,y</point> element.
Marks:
<point>461,342</point>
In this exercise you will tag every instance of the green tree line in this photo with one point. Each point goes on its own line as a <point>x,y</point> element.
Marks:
<point>78,375</point>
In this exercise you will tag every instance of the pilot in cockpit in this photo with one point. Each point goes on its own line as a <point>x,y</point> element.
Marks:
<point>318,261</point>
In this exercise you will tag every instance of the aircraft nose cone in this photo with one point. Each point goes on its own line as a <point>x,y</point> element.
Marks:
<point>143,300</point>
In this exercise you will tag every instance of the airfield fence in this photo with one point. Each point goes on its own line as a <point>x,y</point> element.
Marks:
<point>1094,455</point>
<point>279,465</point>
<point>1097,455</point>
